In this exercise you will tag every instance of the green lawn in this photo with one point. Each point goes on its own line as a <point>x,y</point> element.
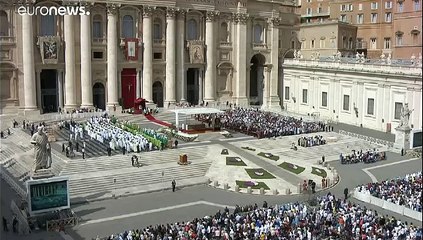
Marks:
<point>290,167</point>
<point>265,174</point>
<point>235,161</point>
<point>319,172</point>
<point>244,184</point>
<point>248,148</point>
<point>272,157</point>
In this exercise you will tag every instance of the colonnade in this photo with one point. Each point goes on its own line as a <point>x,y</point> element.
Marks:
<point>175,59</point>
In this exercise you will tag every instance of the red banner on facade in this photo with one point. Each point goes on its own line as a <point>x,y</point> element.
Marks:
<point>131,49</point>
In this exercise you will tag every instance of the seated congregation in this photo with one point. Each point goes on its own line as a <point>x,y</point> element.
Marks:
<point>405,191</point>
<point>263,124</point>
<point>332,218</point>
<point>369,156</point>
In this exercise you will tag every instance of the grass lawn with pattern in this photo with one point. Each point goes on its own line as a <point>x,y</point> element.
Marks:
<point>292,167</point>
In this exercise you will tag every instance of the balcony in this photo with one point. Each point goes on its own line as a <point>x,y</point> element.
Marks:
<point>7,40</point>
<point>322,14</point>
<point>99,41</point>
<point>259,46</point>
<point>225,45</point>
<point>159,42</point>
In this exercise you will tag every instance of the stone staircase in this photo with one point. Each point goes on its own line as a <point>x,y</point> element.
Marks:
<point>97,175</point>
<point>135,177</point>
<point>154,158</point>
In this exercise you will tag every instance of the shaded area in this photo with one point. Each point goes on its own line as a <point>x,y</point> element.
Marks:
<point>235,161</point>
<point>364,131</point>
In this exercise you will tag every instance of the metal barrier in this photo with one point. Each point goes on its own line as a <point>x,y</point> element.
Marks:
<point>367,138</point>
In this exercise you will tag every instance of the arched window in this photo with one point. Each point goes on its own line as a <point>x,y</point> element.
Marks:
<point>4,24</point>
<point>192,30</point>
<point>344,42</point>
<point>224,33</point>
<point>350,43</point>
<point>127,26</point>
<point>97,26</point>
<point>258,32</point>
<point>48,25</point>
<point>157,29</point>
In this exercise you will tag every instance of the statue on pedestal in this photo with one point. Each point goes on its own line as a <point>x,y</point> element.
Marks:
<point>42,150</point>
<point>405,116</point>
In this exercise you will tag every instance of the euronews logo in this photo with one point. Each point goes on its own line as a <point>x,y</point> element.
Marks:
<point>53,10</point>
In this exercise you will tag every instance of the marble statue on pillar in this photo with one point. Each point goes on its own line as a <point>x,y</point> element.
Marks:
<point>402,133</point>
<point>405,116</point>
<point>42,150</point>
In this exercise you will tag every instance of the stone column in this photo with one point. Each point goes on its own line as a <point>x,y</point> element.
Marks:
<point>138,83</point>
<point>241,63</point>
<point>147,76</point>
<point>180,57</point>
<point>38,89</point>
<point>28,63</point>
<point>200,85</point>
<point>60,87</point>
<point>274,100</point>
<point>86,73</point>
<point>170,57</point>
<point>210,76</point>
<point>70,86</point>
<point>112,42</point>
<point>267,71</point>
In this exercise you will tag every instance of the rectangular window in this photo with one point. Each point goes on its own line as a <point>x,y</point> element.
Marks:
<point>97,31</point>
<point>360,6</point>
<point>373,6</point>
<point>400,6</point>
<point>373,18</point>
<point>312,44</point>
<point>373,44</point>
<point>343,18</point>
<point>309,11</point>
<point>324,99</point>
<point>388,5</point>
<point>286,93</point>
<point>388,17</point>
<point>304,95</point>
<point>387,43</point>
<point>158,56</point>
<point>371,106</point>
<point>416,5</point>
<point>346,105</point>
<point>360,18</point>
<point>399,40</point>
<point>350,8</point>
<point>397,114</point>
<point>97,55</point>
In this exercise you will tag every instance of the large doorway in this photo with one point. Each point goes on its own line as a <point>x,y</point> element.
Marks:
<point>193,89</point>
<point>99,96</point>
<point>48,85</point>
<point>158,93</point>
<point>129,85</point>
<point>257,79</point>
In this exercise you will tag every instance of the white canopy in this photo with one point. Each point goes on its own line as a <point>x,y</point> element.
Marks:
<point>193,111</point>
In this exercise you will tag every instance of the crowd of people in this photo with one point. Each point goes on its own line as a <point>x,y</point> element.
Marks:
<point>311,141</point>
<point>369,156</point>
<point>265,124</point>
<point>332,217</point>
<point>405,191</point>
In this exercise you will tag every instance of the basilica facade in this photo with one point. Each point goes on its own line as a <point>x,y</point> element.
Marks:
<point>165,51</point>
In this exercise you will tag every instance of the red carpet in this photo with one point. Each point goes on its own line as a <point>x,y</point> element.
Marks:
<point>153,119</point>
